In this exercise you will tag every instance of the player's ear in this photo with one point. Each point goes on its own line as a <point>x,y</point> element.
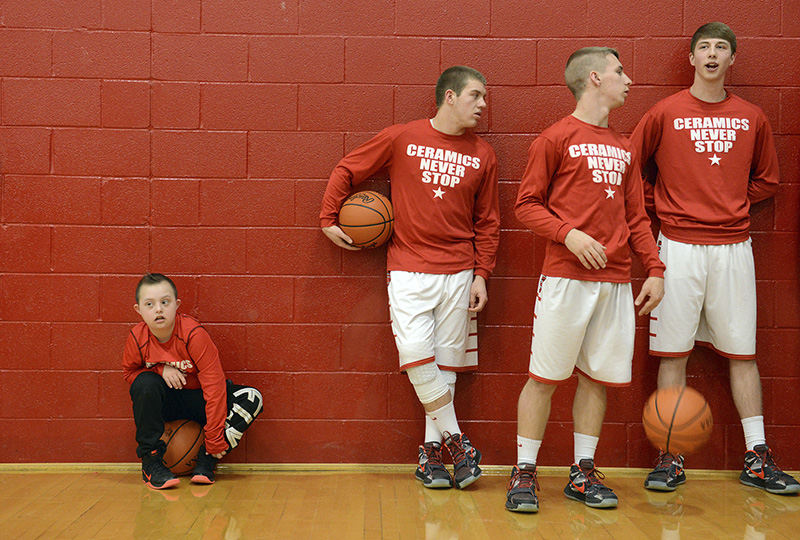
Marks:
<point>177,303</point>
<point>136,309</point>
<point>691,58</point>
<point>733,57</point>
<point>449,96</point>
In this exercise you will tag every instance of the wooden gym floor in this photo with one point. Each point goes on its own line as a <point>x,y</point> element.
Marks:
<point>370,501</point>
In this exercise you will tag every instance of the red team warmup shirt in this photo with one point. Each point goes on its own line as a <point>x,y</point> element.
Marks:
<point>191,350</point>
<point>713,160</point>
<point>586,177</point>
<point>444,196</point>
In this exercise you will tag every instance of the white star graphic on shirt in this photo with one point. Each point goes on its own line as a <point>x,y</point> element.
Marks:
<point>715,160</point>
<point>438,192</point>
<point>609,193</point>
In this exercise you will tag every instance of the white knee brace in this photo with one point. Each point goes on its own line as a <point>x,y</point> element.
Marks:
<point>450,378</point>
<point>428,381</point>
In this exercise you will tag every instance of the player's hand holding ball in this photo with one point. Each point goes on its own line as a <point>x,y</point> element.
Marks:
<point>366,220</point>
<point>337,236</point>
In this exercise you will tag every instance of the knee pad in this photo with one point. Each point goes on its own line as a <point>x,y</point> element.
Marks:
<point>428,381</point>
<point>246,404</point>
<point>450,379</point>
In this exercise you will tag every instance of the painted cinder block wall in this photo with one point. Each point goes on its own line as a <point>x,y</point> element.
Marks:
<point>194,138</point>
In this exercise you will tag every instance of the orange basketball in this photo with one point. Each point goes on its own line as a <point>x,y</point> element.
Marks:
<point>677,420</point>
<point>184,439</point>
<point>367,218</point>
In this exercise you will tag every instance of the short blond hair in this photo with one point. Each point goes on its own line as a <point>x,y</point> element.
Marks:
<point>581,63</point>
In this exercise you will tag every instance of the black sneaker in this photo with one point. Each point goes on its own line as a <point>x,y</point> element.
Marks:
<point>155,474</point>
<point>668,473</point>
<point>585,485</point>
<point>465,469</point>
<point>431,471</point>
<point>473,452</point>
<point>761,471</point>
<point>521,495</point>
<point>204,468</point>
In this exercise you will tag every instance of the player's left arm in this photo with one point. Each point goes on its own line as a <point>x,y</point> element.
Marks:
<point>653,292</point>
<point>205,355</point>
<point>642,242</point>
<point>486,226</point>
<point>764,171</point>
<point>646,138</point>
<point>478,295</point>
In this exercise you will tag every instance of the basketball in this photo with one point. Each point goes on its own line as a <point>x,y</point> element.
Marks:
<point>184,439</point>
<point>677,420</point>
<point>367,218</point>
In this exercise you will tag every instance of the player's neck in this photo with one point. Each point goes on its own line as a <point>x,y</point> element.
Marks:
<point>444,123</point>
<point>708,91</point>
<point>592,113</point>
<point>163,335</point>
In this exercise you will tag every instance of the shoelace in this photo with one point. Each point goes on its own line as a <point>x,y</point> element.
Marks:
<point>524,479</point>
<point>594,476</point>
<point>666,459</point>
<point>768,459</point>
<point>458,455</point>
<point>434,455</point>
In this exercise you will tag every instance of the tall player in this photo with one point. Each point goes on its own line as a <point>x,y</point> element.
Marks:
<point>444,194</point>
<point>714,156</point>
<point>582,191</point>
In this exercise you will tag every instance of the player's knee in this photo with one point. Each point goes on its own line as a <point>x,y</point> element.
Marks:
<point>147,383</point>
<point>247,403</point>
<point>450,379</point>
<point>429,384</point>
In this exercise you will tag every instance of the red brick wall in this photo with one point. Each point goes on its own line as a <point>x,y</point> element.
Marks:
<point>194,137</point>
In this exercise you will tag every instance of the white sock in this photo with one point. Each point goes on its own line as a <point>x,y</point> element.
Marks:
<point>585,445</point>
<point>527,450</point>
<point>445,419</point>
<point>432,433</point>
<point>753,431</point>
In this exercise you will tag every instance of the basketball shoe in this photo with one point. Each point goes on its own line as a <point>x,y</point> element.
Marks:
<point>155,474</point>
<point>465,469</point>
<point>761,471</point>
<point>203,472</point>
<point>668,473</point>
<point>431,471</point>
<point>473,452</point>
<point>521,495</point>
<point>585,485</point>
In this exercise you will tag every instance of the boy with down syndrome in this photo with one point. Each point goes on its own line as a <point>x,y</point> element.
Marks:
<point>175,372</point>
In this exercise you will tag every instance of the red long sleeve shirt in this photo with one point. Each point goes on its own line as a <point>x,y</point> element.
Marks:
<point>586,177</point>
<point>191,350</point>
<point>444,196</point>
<point>713,160</point>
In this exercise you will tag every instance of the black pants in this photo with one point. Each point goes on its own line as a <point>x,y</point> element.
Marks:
<point>155,403</point>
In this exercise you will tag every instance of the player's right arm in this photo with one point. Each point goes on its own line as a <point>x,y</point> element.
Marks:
<point>132,361</point>
<point>531,208</point>
<point>337,236</point>
<point>354,168</point>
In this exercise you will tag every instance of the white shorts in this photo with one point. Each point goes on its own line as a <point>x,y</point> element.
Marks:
<point>583,325</point>
<point>431,321</point>
<point>709,299</point>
